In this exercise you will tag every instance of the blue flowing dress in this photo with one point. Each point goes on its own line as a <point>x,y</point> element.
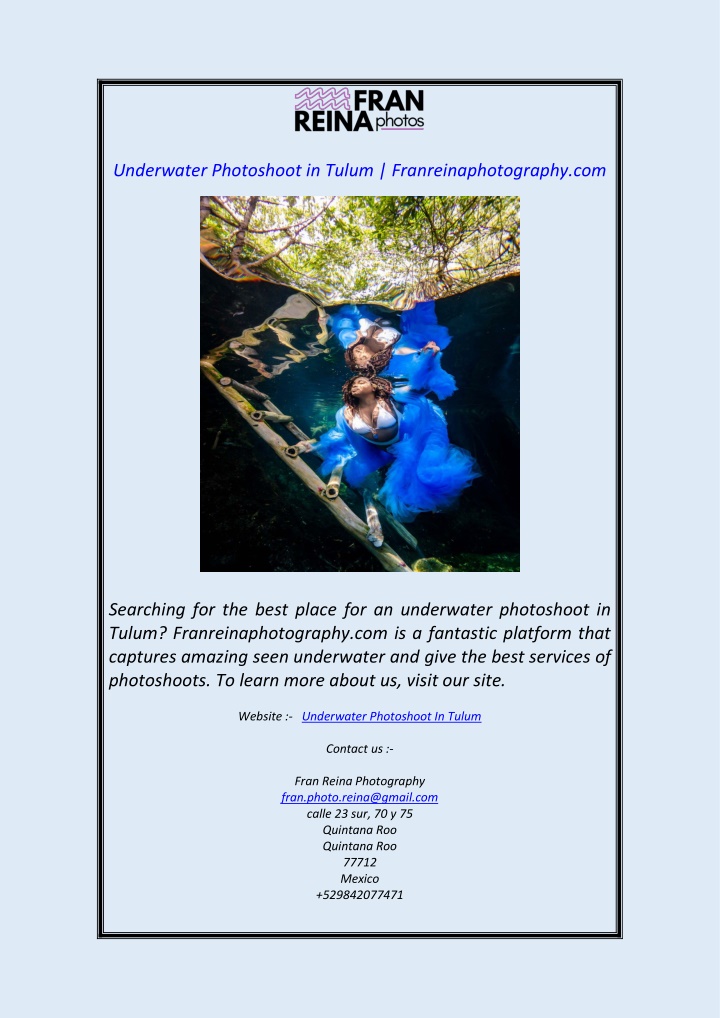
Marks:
<point>423,371</point>
<point>425,472</point>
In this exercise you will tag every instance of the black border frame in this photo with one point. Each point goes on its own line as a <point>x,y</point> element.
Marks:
<point>617,84</point>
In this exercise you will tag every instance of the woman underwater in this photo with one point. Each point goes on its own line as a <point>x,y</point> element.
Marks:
<point>403,431</point>
<point>413,354</point>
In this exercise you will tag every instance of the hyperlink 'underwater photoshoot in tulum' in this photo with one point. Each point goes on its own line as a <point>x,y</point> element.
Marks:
<point>360,361</point>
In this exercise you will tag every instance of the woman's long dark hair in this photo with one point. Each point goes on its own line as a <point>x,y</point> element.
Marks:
<point>377,362</point>
<point>382,389</point>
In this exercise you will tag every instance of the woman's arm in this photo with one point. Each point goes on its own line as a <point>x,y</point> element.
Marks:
<point>428,348</point>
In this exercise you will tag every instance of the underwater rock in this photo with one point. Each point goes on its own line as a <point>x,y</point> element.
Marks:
<point>431,565</point>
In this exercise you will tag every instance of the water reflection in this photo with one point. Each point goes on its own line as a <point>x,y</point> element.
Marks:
<point>284,349</point>
<point>271,340</point>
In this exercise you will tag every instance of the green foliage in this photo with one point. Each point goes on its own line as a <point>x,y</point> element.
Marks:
<point>390,250</point>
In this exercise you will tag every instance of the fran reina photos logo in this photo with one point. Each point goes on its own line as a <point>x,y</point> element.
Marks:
<point>362,109</point>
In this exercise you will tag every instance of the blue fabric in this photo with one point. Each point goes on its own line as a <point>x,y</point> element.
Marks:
<point>423,371</point>
<point>420,325</point>
<point>346,321</point>
<point>425,472</point>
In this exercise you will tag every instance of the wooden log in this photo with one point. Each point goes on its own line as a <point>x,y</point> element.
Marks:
<point>300,448</point>
<point>291,426</point>
<point>388,558</point>
<point>403,532</point>
<point>268,415</point>
<point>333,485</point>
<point>246,390</point>
<point>252,393</point>
<point>375,534</point>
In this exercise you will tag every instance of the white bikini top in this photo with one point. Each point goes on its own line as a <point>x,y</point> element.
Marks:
<point>385,419</point>
<point>386,335</point>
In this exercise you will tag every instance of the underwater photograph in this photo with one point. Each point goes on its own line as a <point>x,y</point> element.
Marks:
<point>360,383</point>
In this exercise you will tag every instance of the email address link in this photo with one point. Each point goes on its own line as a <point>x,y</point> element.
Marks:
<point>299,798</point>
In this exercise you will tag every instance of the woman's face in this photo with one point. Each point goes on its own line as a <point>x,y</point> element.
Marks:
<point>361,387</point>
<point>360,355</point>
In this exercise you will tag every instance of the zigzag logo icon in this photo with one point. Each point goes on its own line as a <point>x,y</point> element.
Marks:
<point>323,99</point>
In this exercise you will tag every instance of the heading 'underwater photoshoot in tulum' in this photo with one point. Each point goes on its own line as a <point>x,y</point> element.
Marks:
<point>360,389</point>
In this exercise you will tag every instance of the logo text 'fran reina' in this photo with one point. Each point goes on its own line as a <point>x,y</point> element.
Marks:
<point>367,109</point>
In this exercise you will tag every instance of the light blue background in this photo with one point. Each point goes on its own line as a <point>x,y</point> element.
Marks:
<point>666,964</point>
<point>524,835</point>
